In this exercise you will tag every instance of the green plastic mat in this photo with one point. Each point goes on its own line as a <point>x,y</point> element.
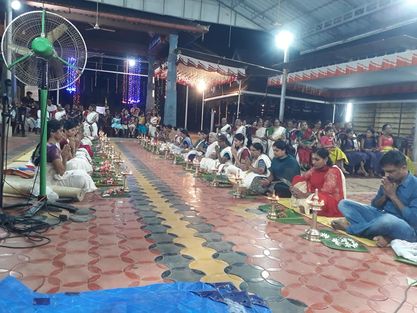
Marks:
<point>114,195</point>
<point>244,195</point>
<point>100,184</point>
<point>404,260</point>
<point>335,241</point>
<point>292,217</point>
<point>222,180</point>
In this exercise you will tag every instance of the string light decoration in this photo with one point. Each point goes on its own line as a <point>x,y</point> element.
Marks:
<point>76,96</point>
<point>132,96</point>
<point>71,76</point>
<point>74,88</point>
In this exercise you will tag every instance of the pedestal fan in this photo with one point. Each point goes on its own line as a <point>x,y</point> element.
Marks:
<point>46,51</point>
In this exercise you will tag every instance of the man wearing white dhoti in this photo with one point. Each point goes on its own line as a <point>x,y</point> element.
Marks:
<point>90,124</point>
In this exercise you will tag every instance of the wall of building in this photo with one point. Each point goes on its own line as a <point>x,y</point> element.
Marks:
<point>401,116</point>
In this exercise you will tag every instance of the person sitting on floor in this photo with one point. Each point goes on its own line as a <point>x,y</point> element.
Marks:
<point>276,132</point>
<point>223,156</point>
<point>386,143</point>
<point>79,158</point>
<point>284,168</point>
<point>116,124</point>
<point>241,155</point>
<point>357,158</point>
<point>337,156</point>
<point>212,144</point>
<point>326,178</point>
<point>200,147</point>
<point>182,144</point>
<point>392,213</point>
<point>305,140</point>
<point>226,129</point>
<point>57,173</point>
<point>257,165</point>
<point>369,146</point>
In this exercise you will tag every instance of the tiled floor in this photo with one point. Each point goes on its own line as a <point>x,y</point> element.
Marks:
<point>175,227</point>
<point>18,145</point>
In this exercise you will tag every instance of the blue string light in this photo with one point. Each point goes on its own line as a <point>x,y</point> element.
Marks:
<point>72,75</point>
<point>132,85</point>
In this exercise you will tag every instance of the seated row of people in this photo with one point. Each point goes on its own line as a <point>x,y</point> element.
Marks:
<point>392,215</point>
<point>260,175</point>
<point>69,154</point>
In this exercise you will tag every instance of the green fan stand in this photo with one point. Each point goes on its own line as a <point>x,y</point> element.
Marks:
<point>42,48</point>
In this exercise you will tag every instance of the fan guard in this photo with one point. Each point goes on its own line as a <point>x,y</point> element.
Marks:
<point>67,42</point>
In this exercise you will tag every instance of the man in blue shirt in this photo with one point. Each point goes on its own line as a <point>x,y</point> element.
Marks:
<point>393,212</point>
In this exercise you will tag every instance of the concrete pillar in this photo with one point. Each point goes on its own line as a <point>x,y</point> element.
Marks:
<point>150,87</point>
<point>283,87</point>
<point>170,112</point>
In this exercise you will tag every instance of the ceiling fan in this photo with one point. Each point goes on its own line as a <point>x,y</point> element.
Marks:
<point>96,26</point>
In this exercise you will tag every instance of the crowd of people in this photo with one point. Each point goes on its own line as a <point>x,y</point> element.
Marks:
<point>296,160</point>
<point>290,160</point>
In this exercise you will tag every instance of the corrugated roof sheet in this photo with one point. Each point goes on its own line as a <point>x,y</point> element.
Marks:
<point>317,22</point>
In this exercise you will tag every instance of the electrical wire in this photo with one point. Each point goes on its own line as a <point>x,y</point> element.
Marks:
<point>405,298</point>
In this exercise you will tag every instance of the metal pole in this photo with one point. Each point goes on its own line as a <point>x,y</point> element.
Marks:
<point>186,107</point>
<point>212,120</point>
<point>238,99</point>
<point>202,112</point>
<point>334,112</point>
<point>57,92</point>
<point>227,108</point>
<point>283,87</point>
<point>9,18</point>
<point>415,140</point>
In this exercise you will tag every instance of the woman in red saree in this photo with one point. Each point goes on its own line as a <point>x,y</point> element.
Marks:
<point>327,179</point>
<point>305,140</point>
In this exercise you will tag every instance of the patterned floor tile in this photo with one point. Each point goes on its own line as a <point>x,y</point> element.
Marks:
<point>173,227</point>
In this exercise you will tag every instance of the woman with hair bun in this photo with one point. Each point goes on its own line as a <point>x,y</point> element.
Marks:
<point>57,172</point>
<point>326,178</point>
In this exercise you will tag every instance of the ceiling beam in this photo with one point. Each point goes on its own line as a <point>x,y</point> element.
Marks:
<point>349,16</point>
<point>233,8</point>
<point>135,23</point>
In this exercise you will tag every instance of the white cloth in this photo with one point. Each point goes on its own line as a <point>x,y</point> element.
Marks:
<point>260,132</point>
<point>81,161</point>
<point>211,149</point>
<point>90,125</point>
<point>51,108</point>
<point>152,130</point>
<point>225,130</point>
<point>90,130</point>
<point>195,151</point>
<point>242,130</point>
<point>405,249</point>
<point>249,176</point>
<point>86,141</point>
<point>91,118</point>
<point>30,122</point>
<point>71,178</point>
<point>279,133</point>
<point>38,121</point>
<point>210,165</point>
<point>60,115</point>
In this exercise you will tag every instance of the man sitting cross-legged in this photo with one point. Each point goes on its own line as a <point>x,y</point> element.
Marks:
<point>393,213</point>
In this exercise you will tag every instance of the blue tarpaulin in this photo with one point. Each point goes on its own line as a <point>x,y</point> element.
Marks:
<point>158,298</point>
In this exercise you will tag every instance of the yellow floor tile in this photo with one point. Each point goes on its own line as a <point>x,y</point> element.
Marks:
<point>199,253</point>
<point>235,280</point>
<point>209,266</point>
